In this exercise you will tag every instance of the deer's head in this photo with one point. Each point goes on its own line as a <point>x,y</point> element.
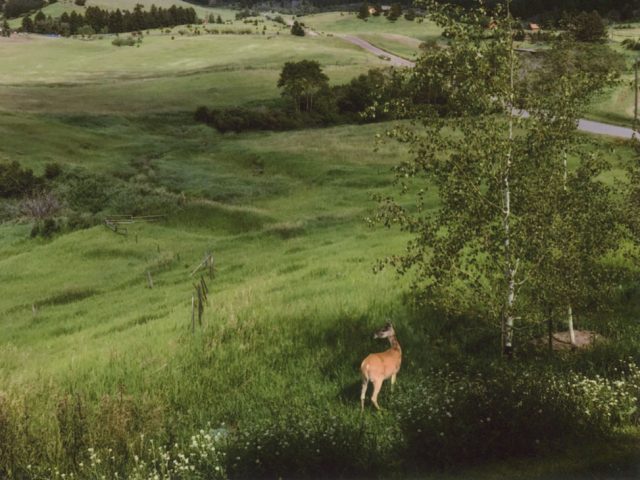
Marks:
<point>385,332</point>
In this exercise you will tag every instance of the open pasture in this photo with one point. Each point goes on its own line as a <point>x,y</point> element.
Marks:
<point>348,22</point>
<point>294,300</point>
<point>58,75</point>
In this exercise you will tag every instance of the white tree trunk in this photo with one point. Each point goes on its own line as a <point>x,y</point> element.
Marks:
<point>572,334</point>
<point>510,269</point>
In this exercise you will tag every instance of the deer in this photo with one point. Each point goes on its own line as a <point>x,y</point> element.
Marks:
<point>377,367</point>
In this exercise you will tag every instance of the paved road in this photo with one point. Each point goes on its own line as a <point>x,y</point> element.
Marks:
<point>394,60</point>
<point>588,126</point>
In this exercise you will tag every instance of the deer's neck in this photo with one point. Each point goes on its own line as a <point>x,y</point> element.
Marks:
<point>394,343</point>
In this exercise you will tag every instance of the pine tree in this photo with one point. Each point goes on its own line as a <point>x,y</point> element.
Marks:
<point>363,12</point>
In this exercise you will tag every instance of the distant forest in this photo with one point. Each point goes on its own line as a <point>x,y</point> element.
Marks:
<point>552,10</point>
<point>548,11</point>
<point>97,20</point>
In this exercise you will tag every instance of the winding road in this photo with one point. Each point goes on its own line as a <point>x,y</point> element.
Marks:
<point>588,126</point>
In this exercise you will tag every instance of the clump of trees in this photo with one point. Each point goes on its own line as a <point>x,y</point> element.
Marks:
<point>297,29</point>
<point>395,12</point>
<point>519,236</point>
<point>363,11</point>
<point>301,82</point>
<point>16,181</point>
<point>15,8</point>
<point>110,21</point>
<point>587,27</point>
<point>309,101</point>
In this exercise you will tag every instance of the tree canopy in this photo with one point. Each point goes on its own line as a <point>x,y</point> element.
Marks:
<point>301,81</point>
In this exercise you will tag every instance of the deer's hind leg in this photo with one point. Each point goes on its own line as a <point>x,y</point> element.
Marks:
<point>377,385</point>
<point>365,384</point>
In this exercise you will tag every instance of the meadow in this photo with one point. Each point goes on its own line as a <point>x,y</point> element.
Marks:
<point>96,365</point>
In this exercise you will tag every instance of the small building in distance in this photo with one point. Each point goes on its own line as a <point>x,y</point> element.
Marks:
<point>534,27</point>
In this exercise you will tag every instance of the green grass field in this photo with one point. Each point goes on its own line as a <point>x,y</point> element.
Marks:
<point>343,22</point>
<point>294,301</point>
<point>59,75</point>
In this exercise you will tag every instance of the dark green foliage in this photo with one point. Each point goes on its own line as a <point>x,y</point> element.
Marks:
<point>301,82</point>
<point>511,207</point>
<point>631,44</point>
<point>46,228</point>
<point>297,29</point>
<point>16,182</point>
<point>246,13</point>
<point>129,41</point>
<point>111,21</point>
<point>6,29</point>
<point>363,12</point>
<point>242,119</point>
<point>364,99</point>
<point>87,193</point>
<point>52,170</point>
<point>587,27</point>
<point>80,3</point>
<point>27,24</point>
<point>450,419</point>
<point>15,8</point>
<point>410,15</point>
<point>395,12</point>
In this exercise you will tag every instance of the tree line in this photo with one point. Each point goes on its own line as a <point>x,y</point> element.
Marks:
<point>96,19</point>
<point>15,8</point>
<point>309,101</point>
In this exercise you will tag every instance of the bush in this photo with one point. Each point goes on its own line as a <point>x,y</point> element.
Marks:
<point>510,412</point>
<point>16,182</point>
<point>410,15</point>
<point>297,29</point>
<point>588,27</point>
<point>121,42</point>
<point>52,170</point>
<point>631,44</point>
<point>42,205</point>
<point>242,119</point>
<point>45,229</point>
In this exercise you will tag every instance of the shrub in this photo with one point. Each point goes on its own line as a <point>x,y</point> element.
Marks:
<point>121,42</point>
<point>453,419</point>
<point>52,170</point>
<point>45,229</point>
<point>410,15</point>
<point>40,206</point>
<point>242,119</point>
<point>297,29</point>
<point>588,27</point>
<point>631,44</point>
<point>16,182</point>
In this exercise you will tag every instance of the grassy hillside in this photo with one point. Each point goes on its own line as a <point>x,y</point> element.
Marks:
<point>92,357</point>
<point>348,22</point>
<point>59,75</point>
